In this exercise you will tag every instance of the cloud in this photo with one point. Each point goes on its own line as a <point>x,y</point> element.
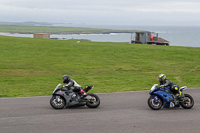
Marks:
<point>101,12</point>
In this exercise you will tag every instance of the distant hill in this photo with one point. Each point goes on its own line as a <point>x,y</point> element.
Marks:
<point>26,28</point>
<point>28,23</point>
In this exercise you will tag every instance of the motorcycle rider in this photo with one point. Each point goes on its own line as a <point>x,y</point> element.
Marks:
<point>173,87</point>
<point>72,84</point>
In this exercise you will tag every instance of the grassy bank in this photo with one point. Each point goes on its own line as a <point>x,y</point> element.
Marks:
<point>33,67</point>
<point>57,30</point>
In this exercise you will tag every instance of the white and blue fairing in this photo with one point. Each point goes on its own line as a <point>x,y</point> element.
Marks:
<point>161,93</point>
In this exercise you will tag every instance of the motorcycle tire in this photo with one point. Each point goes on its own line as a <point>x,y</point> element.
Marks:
<point>187,105</point>
<point>57,105</point>
<point>95,103</point>
<point>154,105</point>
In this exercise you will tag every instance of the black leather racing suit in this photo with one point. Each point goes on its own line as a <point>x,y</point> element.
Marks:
<point>73,85</point>
<point>173,87</point>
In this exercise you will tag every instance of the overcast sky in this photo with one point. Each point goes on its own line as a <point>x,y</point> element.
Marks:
<point>103,12</point>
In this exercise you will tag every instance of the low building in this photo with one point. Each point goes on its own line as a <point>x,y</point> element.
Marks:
<point>41,35</point>
<point>146,37</point>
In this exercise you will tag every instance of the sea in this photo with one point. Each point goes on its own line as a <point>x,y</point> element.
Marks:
<point>187,36</point>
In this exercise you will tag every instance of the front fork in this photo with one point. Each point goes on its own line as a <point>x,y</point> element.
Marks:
<point>58,99</point>
<point>156,99</point>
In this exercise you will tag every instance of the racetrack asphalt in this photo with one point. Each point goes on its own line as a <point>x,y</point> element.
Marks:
<point>125,112</point>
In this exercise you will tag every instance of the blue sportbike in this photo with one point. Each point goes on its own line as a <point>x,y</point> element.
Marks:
<point>163,97</point>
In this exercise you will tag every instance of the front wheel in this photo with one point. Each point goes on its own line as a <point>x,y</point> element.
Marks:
<point>57,102</point>
<point>154,104</point>
<point>188,103</point>
<point>93,102</point>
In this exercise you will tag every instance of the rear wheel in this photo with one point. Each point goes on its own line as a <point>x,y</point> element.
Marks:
<point>93,102</point>
<point>154,104</point>
<point>188,102</point>
<point>57,103</point>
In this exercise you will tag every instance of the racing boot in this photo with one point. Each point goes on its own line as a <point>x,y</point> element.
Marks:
<point>180,96</point>
<point>83,93</point>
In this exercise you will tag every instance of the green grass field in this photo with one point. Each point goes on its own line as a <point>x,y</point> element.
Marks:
<point>33,67</point>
